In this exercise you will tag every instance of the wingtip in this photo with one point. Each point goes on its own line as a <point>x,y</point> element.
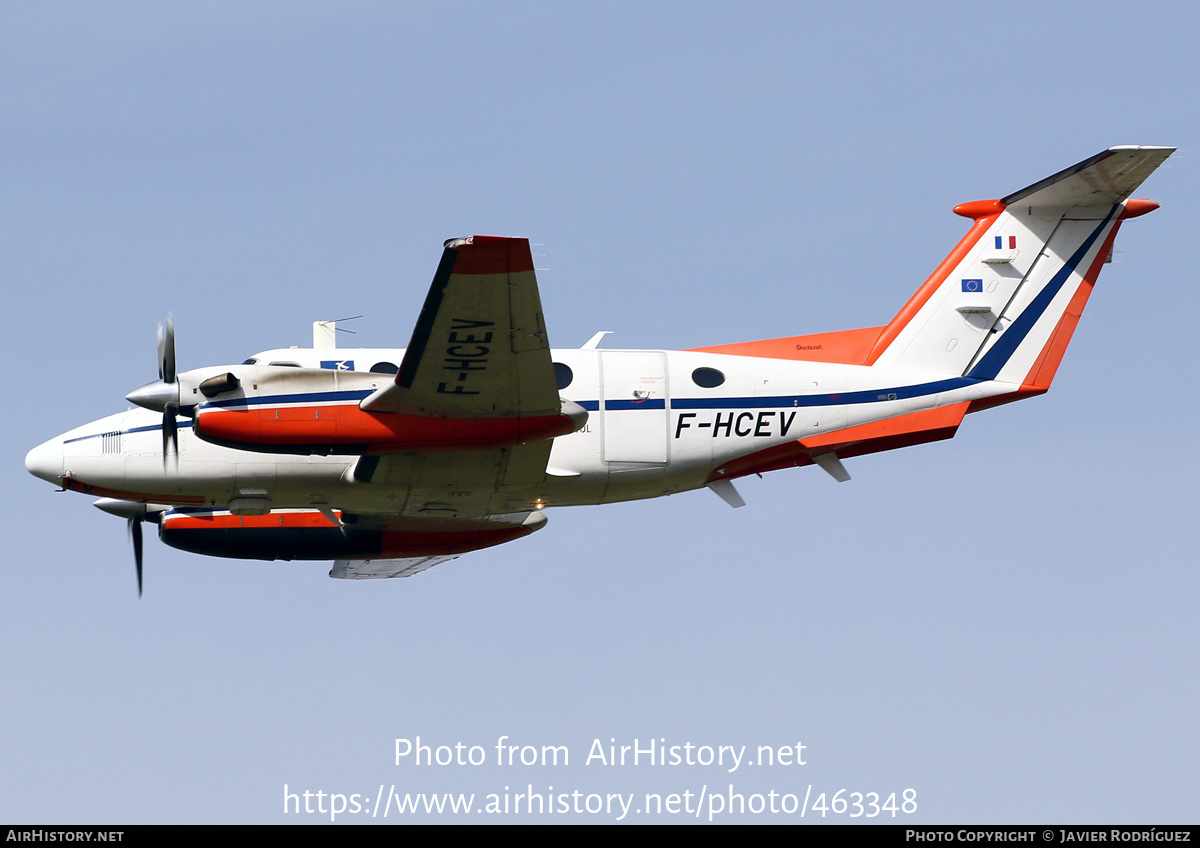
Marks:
<point>491,255</point>
<point>1165,147</point>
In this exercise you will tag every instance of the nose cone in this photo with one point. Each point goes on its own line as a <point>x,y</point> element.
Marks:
<point>46,461</point>
<point>155,396</point>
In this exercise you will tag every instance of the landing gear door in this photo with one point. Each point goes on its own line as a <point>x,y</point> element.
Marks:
<point>634,403</point>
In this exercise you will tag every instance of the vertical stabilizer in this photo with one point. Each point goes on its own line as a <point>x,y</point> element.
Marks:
<point>1003,304</point>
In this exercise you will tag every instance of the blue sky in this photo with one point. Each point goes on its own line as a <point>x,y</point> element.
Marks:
<point>1004,622</point>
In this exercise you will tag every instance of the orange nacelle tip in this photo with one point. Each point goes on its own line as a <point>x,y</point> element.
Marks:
<point>979,208</point>
<point>1136,206</point>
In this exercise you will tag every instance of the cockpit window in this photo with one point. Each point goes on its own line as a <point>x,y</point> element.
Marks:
<point>251,361</point>
<point>286,364</point>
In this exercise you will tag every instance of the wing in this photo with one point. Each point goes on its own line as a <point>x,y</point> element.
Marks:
<point>459,484</point>
<point>479,349</point>
<point>450,503</point>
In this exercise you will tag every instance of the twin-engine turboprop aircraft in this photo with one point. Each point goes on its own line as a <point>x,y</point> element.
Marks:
<point>391,461</point>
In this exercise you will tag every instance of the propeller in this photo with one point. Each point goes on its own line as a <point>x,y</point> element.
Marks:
<point>135,513</point>
<point>166,373</point>
<point>163,394</point>
<point>135,533</point>
<point>166,351</point>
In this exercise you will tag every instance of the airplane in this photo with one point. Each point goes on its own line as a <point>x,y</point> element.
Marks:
<point>391,461</point>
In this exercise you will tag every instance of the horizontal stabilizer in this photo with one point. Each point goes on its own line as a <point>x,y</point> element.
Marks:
<point>1103,180</point>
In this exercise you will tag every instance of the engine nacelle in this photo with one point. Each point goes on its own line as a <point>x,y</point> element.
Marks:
<point>275,409</point>
<point>310,535</point>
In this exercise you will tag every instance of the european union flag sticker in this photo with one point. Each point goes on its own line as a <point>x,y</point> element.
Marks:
<point>972,285</point>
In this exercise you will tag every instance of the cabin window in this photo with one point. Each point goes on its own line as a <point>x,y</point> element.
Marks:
<point>384,368</point>
<point>707,378</point>
<point>563,374</point>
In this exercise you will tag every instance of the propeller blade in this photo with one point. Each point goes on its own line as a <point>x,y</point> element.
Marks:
<point>166,351</point>
<point>135,532</point>
<point>170,432</point>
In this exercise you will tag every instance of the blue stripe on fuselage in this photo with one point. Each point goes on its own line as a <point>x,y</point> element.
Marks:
<point>789,401</point>
<point>647,403</point>
<point>995,359</point>
<point>834,399</point>
<point>186,422</point>
<point>778,402</point>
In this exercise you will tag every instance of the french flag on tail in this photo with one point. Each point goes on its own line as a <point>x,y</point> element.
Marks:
<point>1012,242</point>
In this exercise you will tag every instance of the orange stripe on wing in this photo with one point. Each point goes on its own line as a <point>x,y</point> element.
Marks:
<point>347,424</point>
<point>225,520</point>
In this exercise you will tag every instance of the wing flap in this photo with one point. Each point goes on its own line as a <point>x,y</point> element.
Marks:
<point>462,484</point>
<point>382,569</point>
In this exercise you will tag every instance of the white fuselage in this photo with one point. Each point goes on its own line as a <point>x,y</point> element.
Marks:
<point>657,425</point>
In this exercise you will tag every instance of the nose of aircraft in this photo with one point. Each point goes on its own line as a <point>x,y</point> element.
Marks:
<point>46,461</point>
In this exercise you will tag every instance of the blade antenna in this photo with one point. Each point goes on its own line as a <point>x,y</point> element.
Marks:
<point>337,321</point>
